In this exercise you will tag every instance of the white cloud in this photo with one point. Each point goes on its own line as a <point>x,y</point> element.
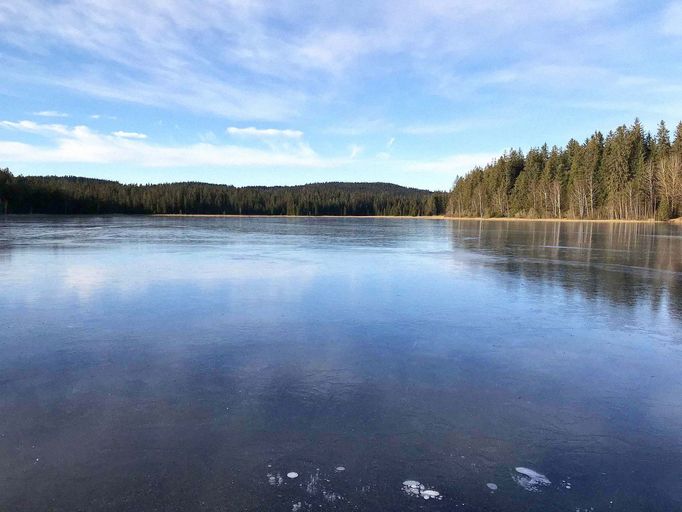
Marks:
<point>264,132</point>
<point>36,128</point>
<point>355,150</point>
<point>50,113</point>
<point>129,135</point>
<point>390,142</point>
<point>80,144</point>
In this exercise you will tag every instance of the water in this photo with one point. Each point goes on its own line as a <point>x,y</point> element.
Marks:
<point>199,364</point>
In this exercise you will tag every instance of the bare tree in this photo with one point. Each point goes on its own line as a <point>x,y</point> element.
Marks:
<point>669,182</point>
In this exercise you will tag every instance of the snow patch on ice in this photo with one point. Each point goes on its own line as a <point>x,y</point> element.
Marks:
<point>530,480</point>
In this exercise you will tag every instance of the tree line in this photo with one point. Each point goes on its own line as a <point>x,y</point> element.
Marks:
<point>629,174</point>
<point>74,195</point>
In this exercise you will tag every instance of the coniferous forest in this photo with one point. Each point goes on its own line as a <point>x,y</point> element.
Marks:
<point>72,195</point>
<point>629,174</point>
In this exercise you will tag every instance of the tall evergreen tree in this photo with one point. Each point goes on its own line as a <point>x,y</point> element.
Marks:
<point>677,143</point>
<point>626,175</point>
<point>6,180</point>
<point>662,141</point>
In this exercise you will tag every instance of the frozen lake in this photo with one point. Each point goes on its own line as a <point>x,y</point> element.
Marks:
<point>281,364</point>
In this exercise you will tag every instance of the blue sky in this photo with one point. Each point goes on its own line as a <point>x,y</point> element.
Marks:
<point>267,92</point>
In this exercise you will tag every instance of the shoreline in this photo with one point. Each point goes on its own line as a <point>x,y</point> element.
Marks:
<point>677,221</point>
<point>421,217</point>
<point>263,216</point>
<point>546,219</point>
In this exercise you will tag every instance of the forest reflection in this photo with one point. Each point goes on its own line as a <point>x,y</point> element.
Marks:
<point>628,264</point>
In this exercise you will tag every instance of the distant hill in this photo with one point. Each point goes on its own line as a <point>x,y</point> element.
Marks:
<point>77,195</point>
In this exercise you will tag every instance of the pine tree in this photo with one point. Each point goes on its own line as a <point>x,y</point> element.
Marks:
<point>637,190</point>
<point>662,141</point>
<point>677,143</point>
<point>6,180</point>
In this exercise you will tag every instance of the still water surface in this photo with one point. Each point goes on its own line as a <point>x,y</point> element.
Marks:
<point>192,364</point>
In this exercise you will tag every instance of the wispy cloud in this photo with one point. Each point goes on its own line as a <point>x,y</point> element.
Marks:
<point>80,144</point>
<point>355,150</point>
<point>386,68</point>
<point>129,135</point>
<point>265,61</point>
<point>672,19</point>
<point>154,54</point>
<point>50,113</point>
<point>264,132</point>
<point>360,126</point>
<point>38,128</point>
<point>169,89</point>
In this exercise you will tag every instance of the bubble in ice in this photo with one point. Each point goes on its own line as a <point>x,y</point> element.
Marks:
<point>275,480</point>
<point>429,493</point>
<point>412,491</point>
<point>313,484</point>
<point>419,490</point>
<point>491,486</point>
<point>292,474</point>
<point>530,480</point>
<point>412,487</point>
<point>340,468</point>
<point>331,496</point>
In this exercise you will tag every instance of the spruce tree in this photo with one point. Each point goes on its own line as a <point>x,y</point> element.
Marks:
<point>677,143</point>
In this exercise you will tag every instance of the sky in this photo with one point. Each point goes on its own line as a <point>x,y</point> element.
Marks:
<point>251,92</point>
